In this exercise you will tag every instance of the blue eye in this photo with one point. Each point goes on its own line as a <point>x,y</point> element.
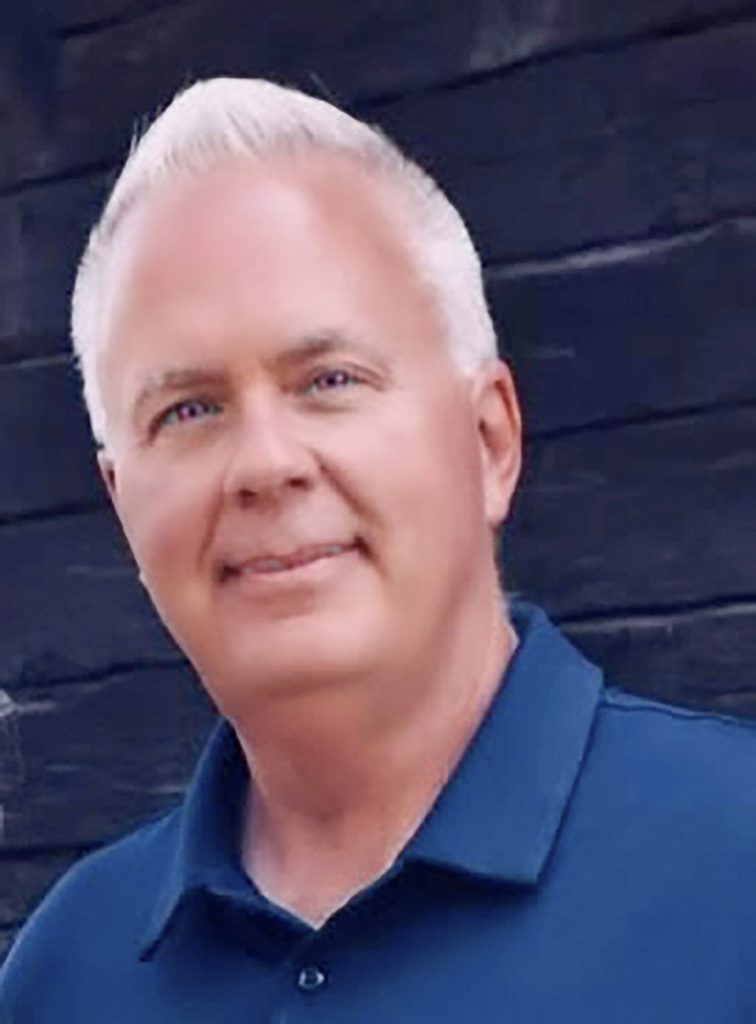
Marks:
<point>188,409</point>
<point>331,380</point>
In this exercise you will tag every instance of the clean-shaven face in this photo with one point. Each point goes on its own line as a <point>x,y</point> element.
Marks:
<point>299,470</point>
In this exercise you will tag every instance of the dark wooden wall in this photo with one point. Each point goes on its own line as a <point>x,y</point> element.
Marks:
<point>605,156</point>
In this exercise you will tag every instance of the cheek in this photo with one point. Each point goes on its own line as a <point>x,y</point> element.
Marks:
<point>425,475</point>
<point>164,518</point>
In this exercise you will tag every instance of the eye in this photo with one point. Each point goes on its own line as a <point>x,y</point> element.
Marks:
<point>187,409</point>
<point>331,380</point>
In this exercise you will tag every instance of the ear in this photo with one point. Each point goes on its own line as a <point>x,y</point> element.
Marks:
<point>107,472</point>
<point>500,436</point>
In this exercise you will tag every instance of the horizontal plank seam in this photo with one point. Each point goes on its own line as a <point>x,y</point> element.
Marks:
<point>649,705</point>
<point>606,251</point>
<point>93,27</point>
<point>41,853</point>
<point>658,616</point>
<point>679,414</point>
<point>55,512</point>
<point>25,185</point>
<point>743,15</point>
<point>587,250</point>
<point>36,362</point>
<point>92,677</point>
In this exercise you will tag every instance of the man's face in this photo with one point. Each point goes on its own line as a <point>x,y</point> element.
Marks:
<point>303,478</point>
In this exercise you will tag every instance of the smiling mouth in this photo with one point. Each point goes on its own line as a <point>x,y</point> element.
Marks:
<point>271,565</point>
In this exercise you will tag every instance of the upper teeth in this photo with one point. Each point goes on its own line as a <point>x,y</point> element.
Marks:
<point>270,565</point>
<point>279,564</point>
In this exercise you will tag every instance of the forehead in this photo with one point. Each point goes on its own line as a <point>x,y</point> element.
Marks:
<point>262,228</point>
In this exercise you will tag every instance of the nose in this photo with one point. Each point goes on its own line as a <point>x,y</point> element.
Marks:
<point>268,457</point>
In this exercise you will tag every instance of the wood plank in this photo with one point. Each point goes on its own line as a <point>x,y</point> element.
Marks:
<point>657,178</point>
<point>547,106</point>
<point>702,659</point>
<point>98,758</point>
<point>647,516</point>
<point>594,148</point>
<point>75,608</point>
<point>7,936</point>
<point>506,28</point>
<point>587,150</point>
<point>42,234</point>
<point>634,330</point>
<point>83,16</point>
<point>25,879</point>
<point>358,51</point>
<point>45,447</point>
<point>28,57</point>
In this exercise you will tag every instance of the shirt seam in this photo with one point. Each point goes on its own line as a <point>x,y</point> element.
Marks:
<point>616,703</point>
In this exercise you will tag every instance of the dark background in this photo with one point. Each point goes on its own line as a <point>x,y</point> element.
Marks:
<point>604,153</point>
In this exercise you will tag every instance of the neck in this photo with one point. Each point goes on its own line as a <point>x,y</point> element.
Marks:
<point>341,781</point>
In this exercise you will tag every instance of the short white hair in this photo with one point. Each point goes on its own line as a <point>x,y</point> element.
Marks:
<point>228,117</point>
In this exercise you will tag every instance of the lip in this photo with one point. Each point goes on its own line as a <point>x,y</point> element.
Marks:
<point>271,565</point>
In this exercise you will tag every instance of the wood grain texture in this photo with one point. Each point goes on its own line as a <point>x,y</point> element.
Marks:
<point>76,609</point>
<point>594,148</point>
<point>88,17</point>
<point>587,150</point>
<point>7,936</point>
<point>96,759</point>
<point>703,658</point>
<point>42,235</point>
<point>26,879</point>
<point>356,52</point>
<point>513,27</point>
<point>45,446</point>
<point>643,516</point>
<point>634,331</point>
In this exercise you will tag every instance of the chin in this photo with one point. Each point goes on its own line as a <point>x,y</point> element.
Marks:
<point>292,658</point>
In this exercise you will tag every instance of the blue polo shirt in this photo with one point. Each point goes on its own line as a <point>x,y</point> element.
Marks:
<point>592,859</point>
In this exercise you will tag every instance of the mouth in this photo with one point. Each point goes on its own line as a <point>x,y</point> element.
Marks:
<point>276,564</point>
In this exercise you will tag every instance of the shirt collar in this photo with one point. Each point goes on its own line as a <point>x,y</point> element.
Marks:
<point>203,849</point>
<point>497,817</point>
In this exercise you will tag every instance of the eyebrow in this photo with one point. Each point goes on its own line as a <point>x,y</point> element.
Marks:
<point>311,346</point>
<point>176,379</point>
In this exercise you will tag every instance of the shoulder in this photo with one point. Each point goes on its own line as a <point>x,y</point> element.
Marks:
<point>675,757</point>
<point>109,892</point>
<point>678,731</point>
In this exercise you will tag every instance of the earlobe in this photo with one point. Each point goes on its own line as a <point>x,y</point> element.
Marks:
<point>107,472</point>
<point>500,433</point>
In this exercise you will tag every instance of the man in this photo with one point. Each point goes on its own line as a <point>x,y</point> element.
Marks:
<point>417,806</point>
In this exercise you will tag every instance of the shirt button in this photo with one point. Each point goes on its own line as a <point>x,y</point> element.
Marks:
<point>310,978</point>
